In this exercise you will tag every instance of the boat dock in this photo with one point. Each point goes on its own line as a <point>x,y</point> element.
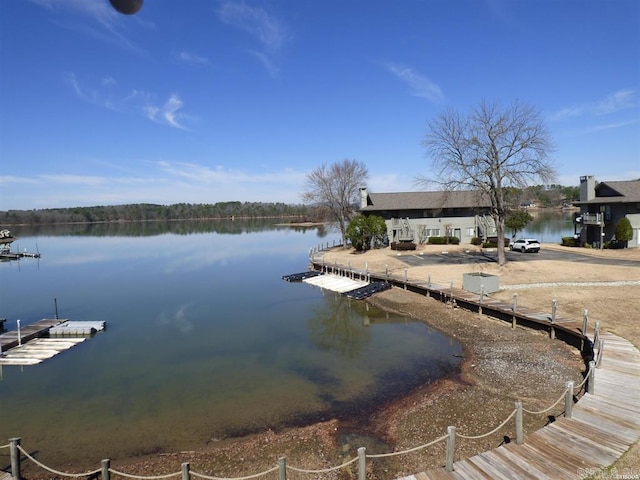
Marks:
<point>352,288</point>
<point>32,344</point>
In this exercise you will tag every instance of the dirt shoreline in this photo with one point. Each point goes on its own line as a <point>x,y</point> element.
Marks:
<point>500,365</point>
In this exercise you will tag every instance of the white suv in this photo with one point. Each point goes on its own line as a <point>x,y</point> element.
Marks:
<point>525,245</point>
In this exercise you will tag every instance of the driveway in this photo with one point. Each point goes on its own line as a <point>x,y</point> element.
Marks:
<point>474,257</point>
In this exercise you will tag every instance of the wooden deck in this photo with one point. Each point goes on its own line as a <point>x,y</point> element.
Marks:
<point>28,332</point>
<point>603,425</point>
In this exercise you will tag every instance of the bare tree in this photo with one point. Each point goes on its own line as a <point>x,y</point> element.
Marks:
<point>337,188</point>
<point>489,150</point>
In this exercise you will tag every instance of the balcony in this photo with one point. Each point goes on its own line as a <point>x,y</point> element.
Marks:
<point>591,219</point>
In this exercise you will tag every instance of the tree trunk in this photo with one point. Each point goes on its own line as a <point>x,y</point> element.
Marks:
<point>502,259</point>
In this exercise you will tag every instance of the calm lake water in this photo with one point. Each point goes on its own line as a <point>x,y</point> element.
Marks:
<point>204,340</point>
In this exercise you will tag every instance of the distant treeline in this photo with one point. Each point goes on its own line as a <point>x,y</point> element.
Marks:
<point>153,212</point>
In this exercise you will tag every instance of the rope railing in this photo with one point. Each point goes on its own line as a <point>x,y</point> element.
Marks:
<point>5,446</point>
<point>56,472</point>
<point>476,437</point>
<point>410,450</point>
<point>248,477</point>
<point>324,470</point>
<point>549,408</point>
<point>138,477</point>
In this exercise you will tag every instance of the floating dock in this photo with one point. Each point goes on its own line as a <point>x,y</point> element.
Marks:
<point>352,288</point>
<point>32,344</point>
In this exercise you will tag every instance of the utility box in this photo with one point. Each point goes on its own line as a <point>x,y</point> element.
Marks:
<point>474,282</point>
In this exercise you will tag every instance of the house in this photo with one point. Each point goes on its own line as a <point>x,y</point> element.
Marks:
<point>416,216</point>
<point>603,205</point>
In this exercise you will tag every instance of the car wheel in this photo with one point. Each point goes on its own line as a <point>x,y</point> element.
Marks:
<point>523,250</point>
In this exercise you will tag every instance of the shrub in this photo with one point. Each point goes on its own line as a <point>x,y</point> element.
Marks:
<point>570,242</point>
<point>476,241</point>
<point>403,246</point>
<point>444,240</point>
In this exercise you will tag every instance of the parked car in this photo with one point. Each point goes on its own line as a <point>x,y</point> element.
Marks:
<point>525,245</point>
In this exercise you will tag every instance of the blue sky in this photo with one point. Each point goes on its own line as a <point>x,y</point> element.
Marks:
<point>203,101</point>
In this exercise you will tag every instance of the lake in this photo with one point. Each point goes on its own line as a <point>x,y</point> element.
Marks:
<point>204,340</point>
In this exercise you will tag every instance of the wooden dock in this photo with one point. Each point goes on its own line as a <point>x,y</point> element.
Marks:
<point>28,332</point>
<point>603,424</point>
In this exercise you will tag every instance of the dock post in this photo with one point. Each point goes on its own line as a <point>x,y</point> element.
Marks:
<point>19,335</point>
<point>568,399</point>
<point>14,444</point>
<point>451,292</point>
<point>514,320</point>
<point>596,333</point>
<point>600,349</point>
<point>451,446</point>
<point>105,465</point>
<point>362,464</point>
<point>591,387</point>
<point>282,468</point>
<point>429,281</point>
<point>519,424</point>
<point>552,330</point>
<point>405,278</point>
<point>585,323</point>
<point>186,474</point>
<point>386,270</point>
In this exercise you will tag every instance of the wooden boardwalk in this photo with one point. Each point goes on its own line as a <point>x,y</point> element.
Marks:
<point>604,423</point>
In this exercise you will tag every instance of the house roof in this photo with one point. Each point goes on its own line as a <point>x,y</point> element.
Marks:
<point>425,200</point>
<point>628,191</point>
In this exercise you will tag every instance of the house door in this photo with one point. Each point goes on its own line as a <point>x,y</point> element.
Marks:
<point>457,233</point>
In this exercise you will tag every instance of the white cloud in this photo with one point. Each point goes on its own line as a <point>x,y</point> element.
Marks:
<point>420,85</point>
<point>270,33</point>
<point>612,103</point>
<point>190,58</point>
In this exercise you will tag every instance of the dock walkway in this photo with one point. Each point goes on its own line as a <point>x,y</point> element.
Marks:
<point>28,332</point>
<point>601,427</point>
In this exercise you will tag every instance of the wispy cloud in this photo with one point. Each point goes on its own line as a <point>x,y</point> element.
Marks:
<point>265,28</point>
<point>615,102</point>
<point>108,25</point>
<point>167,114</point>
<point>104,93</point>
<point>420,85</point>
<point>189,58</point>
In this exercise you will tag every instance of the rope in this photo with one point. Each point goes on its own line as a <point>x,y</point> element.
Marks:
<point>5,446</point>
<point>584,380</point>
<point>326,470</point>
<point>128,475</point>
<point>549,408</point>
<point>411,450</point>
<point>207,477</point>
<point>64,474</point>
<point>475,437</point>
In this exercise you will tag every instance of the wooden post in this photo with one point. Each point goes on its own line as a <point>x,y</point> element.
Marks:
<point>386,270</point>
<point>14,452</point>
<point>19,335</point>
<point>553,310</point>
<point>596,333</point>
<point>515,302</point>
<point>362,464</point>
<point>186,474</point>
<point>451,447</point>
<point>105,465</point>
<point>519,424</point>
<point>405,278</point>
<point>585,321</point>
<point>481,293</point>
<point>282,468</point>
<point>591,387</point>
<point>429,281</point>
<point>568,399</point>
<point>600,349</point>
<point>451,291</point>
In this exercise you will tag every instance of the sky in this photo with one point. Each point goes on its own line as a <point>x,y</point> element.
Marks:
<point>206,101</point>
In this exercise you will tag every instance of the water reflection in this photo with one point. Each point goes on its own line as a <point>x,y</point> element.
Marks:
<point>203,338</point>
